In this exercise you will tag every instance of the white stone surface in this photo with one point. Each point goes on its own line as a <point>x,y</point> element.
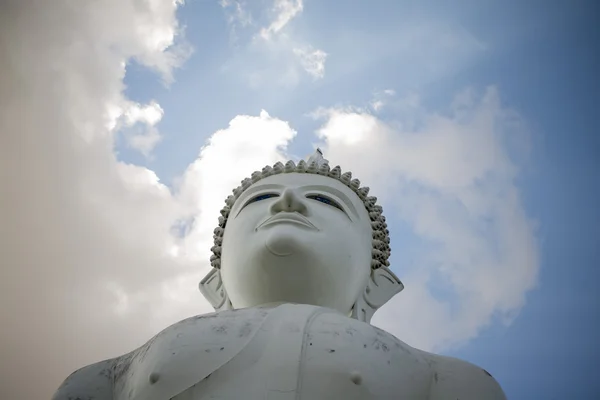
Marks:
<point>283,352</point>
<point>294,287</point>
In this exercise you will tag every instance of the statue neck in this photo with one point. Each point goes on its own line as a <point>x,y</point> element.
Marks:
<point>278,303</point>
<point>272,305</point>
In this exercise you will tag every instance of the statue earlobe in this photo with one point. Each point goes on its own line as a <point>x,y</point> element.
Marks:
<point>382,285</point>
<point>213,290</point>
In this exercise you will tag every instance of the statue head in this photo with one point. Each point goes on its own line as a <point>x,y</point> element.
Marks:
<point>301,234</point>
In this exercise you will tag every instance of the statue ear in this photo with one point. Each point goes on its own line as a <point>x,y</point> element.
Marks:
<point>213,290</point>
<point>382,285</point>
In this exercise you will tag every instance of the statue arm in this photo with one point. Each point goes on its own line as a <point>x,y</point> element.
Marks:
<point>457,379</point>
<point>92,382</point>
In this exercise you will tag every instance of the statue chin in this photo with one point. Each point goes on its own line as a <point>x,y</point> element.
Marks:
<point>283,242</point>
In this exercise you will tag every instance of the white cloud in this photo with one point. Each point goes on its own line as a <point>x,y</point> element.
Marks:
<point>238,17</point>
<point>274,50</point>
<point>138,124</point>
<point>150,114</point>
<point>284,11</point>
<point>144,142</point>
<point>452,181</point>
<point>313,61</point>
<point>381,99</point>
<point>80,229</point>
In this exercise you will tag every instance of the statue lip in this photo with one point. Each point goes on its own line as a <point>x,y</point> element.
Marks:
<point>288,217</point>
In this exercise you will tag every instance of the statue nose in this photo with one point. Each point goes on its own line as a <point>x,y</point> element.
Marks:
<point>289,201</point>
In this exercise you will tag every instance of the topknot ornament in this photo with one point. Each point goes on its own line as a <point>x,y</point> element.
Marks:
<point>256,176</point>
<point>346,177</point>
<point>323,169</point>
<point>289,166</point>
<point>278,168</point>
<point>335,172</point>
<point>301,167</point>
<point>267,171</point>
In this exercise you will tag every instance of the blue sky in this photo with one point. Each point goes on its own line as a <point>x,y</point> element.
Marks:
<point>473,123</point>
<point>542,57</point>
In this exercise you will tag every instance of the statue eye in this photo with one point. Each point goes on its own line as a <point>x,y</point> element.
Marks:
<point>262,197</point>
<point>325,200</point>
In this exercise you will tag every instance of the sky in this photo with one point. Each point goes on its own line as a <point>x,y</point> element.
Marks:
<point>124,124</point>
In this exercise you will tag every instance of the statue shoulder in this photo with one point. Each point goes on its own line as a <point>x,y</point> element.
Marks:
<point>92,382</point>
<point>211,324</point>
<point>454,378</point>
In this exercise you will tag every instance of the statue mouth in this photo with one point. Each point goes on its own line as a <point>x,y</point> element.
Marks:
<point>288,218</point>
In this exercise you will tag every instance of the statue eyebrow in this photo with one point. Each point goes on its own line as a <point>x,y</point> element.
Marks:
<point>278,187</point>
<point>334,192</point>
<point>242,199</point>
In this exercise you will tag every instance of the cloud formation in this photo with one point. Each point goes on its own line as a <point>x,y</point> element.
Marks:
<point>137,123</point>
<point>275,41</point>
<point>238,17</point>
<point>283,11</point>
<point>450,178</point>
<point>313,61</point>
<point>81,232</point>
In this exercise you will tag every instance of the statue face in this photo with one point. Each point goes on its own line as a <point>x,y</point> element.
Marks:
<point>300,238</point>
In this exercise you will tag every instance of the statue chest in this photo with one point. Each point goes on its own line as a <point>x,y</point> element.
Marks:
<point>290,352</point>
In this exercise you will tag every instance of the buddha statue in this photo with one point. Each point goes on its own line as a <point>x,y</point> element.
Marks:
<point>300,264</point>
